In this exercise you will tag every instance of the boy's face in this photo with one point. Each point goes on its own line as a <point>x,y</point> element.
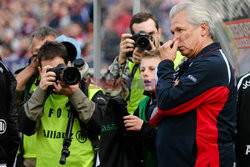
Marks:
<point>148,65</point>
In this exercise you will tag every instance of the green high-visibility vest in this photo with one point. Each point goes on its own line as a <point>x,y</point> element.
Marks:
<point>136,89</point>
<point>178,59</point>
<point>52,130</point>
<point>29,142</point>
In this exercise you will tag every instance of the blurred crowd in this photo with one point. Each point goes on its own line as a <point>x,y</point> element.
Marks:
<point>74,18</point>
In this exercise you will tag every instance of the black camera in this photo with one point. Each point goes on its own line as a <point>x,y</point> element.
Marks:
<point>142,41</point>
<point>69,75</point>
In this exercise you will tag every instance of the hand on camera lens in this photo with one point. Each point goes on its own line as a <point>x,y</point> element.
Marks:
<point>152,45</point>
<point>47,78</point>
<point>65,89</point>
<point>126,45</point>
<point>137,55</point>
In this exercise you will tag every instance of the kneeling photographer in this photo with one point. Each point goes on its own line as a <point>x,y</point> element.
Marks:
<point>58,98</point>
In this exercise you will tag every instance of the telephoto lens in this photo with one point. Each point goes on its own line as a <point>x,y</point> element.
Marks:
<point>142,41</point>
<point>71,76</point>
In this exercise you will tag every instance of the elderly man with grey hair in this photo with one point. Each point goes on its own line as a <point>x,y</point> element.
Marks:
<point>196,105</point>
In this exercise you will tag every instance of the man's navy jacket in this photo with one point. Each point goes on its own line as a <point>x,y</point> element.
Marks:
<point>196,118</point>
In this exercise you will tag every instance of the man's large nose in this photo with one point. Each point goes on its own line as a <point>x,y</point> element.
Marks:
<point>176,37</point>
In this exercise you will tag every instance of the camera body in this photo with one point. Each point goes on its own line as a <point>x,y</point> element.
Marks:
<point>69,75</point>
<point>142,41</point>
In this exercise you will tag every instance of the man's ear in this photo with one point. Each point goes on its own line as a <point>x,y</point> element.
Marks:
<point>204,29</point>
<point>160,32</point>
<point>69,64</point>
<point>40,70</point>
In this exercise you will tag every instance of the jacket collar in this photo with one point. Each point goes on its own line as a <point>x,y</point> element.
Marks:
<point>208,49</point>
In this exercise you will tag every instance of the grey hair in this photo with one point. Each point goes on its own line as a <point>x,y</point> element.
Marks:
<point>41,33</point>
<point>196,15</point>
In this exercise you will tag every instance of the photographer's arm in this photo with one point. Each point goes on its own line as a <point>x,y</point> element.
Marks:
<point>117,75</point>
<point>31,112</point>
<point>83,105</point>
<point>90,112</point>
<point>23,76</point>
<point>116,69</point>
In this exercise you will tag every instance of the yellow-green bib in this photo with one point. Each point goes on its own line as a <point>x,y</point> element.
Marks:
<point>51,133</point>
<point>137,89</point>
<point>29,142</point>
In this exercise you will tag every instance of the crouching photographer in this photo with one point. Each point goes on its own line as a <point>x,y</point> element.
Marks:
<point>59,97</point>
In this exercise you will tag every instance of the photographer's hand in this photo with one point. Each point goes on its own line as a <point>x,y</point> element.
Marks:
<point>25,74</point>
<point>137,55</point>
<point>126,45</point>
<point>152,45</point>
<point>34,63</point>
<point>65,89</point>
<point>47,78</point>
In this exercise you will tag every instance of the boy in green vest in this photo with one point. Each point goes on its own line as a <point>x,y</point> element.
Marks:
<point>47,111</point>
<point>145,142</point>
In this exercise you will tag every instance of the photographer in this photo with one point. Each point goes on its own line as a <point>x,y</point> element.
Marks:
<point>123,76</point>
<point>47,111</point>
<point>26,77</point>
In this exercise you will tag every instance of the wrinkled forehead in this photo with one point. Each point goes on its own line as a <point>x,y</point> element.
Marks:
<point>179,21</point>
<point>38,43</point>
